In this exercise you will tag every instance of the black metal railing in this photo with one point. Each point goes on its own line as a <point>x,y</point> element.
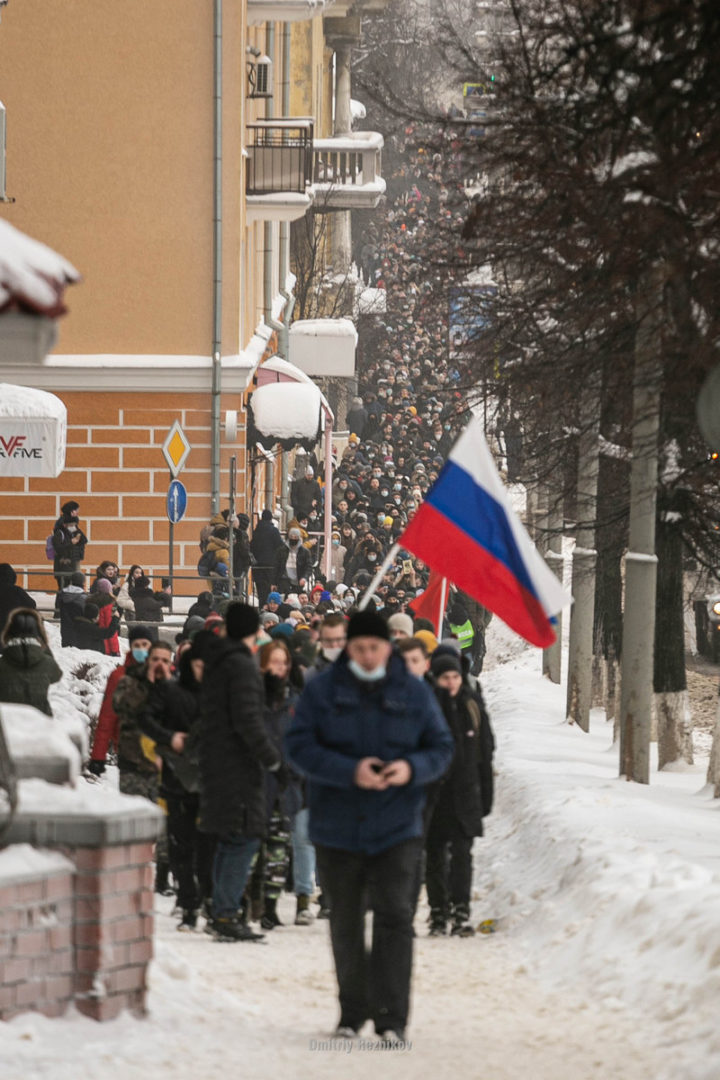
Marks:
<point>280,156</point>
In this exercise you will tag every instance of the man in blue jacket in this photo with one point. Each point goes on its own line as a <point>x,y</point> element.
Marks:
<point>369,737</point>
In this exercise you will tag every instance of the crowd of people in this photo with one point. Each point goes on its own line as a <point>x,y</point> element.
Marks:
<point>312,740</point>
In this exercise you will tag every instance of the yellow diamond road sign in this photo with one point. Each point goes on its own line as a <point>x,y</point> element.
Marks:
<point>176,448</point>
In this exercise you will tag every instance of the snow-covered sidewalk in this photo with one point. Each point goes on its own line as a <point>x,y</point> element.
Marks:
<point>606,961</point>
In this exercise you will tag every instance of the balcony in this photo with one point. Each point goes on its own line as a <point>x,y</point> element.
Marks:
<point>261,11</point>
<point>346,172</point>
<point>279,168</point>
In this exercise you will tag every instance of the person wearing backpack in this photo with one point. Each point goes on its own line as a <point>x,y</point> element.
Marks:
<point>68,546</point>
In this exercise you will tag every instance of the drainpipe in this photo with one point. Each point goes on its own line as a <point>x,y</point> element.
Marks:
<point>217,257</point>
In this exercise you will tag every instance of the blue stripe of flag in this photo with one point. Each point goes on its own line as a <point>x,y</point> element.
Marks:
<point>456,495</point>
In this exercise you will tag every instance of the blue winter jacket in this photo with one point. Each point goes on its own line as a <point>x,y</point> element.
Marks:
<point>339,720</point>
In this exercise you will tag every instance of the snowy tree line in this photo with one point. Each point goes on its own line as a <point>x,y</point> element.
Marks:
<point>589,188</point>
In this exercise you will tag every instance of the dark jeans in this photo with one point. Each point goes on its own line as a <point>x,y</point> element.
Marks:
<point>191,852</point>
<point>431,797</point>
<point>233,862</point>
<point>374,985</point>
<point>262,580</point>
<point>448,866</point>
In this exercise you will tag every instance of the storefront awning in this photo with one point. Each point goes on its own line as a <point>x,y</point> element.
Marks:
<point>33,432</point>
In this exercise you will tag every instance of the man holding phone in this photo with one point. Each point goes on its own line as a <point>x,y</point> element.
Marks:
<point>369,737</point>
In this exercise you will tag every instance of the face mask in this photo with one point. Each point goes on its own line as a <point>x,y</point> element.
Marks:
<point>397,500</point>
<point>397,487</point>
<point>367,676</point>
<point>140,655</point>
<point>372,558</point>
<point>294,543</point>
<point>332,653</point>
<point>336,543</point>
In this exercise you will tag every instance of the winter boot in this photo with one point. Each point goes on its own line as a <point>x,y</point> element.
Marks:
<point>438,922</point>
<point>303,915</point>
<point>270,919</point>
<point>188,921</point>
<point>257,909</point>
<point>324,912</point>
<point>461,926</point>
<point>232,929</point>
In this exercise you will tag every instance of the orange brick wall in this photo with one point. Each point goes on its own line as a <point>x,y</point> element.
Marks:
<point>116,471</point>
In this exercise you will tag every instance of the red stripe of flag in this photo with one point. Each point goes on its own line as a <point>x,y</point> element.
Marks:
<point>449,551</point>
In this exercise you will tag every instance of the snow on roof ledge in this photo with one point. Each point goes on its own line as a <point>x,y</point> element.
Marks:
<point>32,276</point>
<point>325,328</point>
<point>25,402</point>
<point>287,410</point>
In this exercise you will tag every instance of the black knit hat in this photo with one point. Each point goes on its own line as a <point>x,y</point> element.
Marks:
<point>367,624</point>
<point>448,662</point>
<point>243,521</point>
<point>241,620</point>
<point>139,630</point>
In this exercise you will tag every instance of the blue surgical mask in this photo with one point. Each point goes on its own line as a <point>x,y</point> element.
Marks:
<point>367,676</point>
<point>140,655</point>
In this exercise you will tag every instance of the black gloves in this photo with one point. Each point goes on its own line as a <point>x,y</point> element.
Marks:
<point>97,768</point>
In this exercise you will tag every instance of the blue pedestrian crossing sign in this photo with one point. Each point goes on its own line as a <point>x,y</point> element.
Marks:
<point>176,501</point>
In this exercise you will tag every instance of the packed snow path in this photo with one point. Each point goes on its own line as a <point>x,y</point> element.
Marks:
<point>606,962</point>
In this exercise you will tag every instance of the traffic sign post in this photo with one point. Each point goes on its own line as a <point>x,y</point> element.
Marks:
<point>175,451</point>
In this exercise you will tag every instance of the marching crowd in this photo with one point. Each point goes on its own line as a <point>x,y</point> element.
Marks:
<point>298,742</point>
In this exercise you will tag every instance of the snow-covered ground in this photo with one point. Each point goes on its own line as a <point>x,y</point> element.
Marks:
<point>605,962</point>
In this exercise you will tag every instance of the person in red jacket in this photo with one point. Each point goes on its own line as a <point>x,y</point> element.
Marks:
<point>140,639</point>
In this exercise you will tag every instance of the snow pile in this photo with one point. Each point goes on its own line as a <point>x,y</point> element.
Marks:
<point>287,410</point>
<point>603,883</point>
<point>76,699</point>
<point>32,273</point>
<point>25,402</point>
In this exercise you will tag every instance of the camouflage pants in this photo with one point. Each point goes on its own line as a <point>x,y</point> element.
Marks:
<point>271,868</point>
<point>147,785</point>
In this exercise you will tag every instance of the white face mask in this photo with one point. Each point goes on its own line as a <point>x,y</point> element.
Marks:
<point>331,652</point>
<point>367,676</point>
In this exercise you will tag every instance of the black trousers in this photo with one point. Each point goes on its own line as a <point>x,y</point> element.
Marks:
<point>374,985</point>
<point>448,866</point>
<point>190,851</point>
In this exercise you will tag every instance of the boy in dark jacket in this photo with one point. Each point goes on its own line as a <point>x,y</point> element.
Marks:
<point>465,797</point>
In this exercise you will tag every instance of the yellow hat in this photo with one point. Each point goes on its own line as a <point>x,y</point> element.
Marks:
<point>412,410</point>
<point>427,636</point>
<point>388,521</point>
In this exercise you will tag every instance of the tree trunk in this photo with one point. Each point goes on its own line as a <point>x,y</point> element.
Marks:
<point>640,560</point>
<point>674,725</point>
<point>580,652</point>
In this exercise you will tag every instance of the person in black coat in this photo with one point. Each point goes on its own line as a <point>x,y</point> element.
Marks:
<point>464,798</point>
<point>11,595</point>
<point>87,632</point>
<point>305,494</point>
<point>266,540</point>
<point>235,751</point>
<point>68,542</point>
<point>71,604</point>
<point>172,718</point>
<point>148,604</point>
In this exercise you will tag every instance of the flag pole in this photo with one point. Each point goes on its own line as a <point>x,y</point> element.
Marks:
<point>378,577</point>
<point>443,597</point>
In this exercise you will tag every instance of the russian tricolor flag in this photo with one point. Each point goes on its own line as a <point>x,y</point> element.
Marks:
<point>467,530</point>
